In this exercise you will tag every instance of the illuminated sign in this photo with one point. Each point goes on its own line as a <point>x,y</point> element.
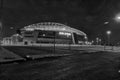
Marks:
<point>64,33</point>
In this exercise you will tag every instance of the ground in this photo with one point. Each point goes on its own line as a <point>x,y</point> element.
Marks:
<point>100,65</point>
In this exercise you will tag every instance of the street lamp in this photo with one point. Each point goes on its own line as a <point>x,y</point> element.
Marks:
<point>100,41</point>
<point>97,40</point>
<point>106,22</point>
<point>108,34</point>
<point>11,28</point>
<point>117,18</point>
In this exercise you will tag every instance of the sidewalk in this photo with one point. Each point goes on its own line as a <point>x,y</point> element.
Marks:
<point>7,56</point>
<point>96,48</point>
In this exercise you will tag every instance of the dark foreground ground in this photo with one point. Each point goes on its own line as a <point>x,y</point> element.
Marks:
<point>85,66</point>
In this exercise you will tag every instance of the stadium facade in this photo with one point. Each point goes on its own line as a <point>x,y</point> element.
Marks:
<point>51,32</point>
<point>42,36</point>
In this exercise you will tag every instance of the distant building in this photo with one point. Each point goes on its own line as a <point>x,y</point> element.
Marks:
<point>14,39</point>
<point>50,32</point>
<point>7,40</point>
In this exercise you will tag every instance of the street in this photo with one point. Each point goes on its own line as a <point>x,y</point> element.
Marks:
<point>84,66</point>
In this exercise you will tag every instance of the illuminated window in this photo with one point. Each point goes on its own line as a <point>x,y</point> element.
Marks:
<point>29,29</point>
<point>64,33</point>
<point>45,34</point>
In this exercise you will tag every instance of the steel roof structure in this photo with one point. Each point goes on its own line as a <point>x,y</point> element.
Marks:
<point>52,26</point>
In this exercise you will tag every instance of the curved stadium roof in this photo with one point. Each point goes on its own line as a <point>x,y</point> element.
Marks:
<point>52,26</point>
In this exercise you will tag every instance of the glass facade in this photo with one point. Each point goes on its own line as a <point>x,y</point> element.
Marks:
<point>28,34</point>
<point>54,37</point>
<point>46,34</point>
<point>79,39</point>
<point>52,33</point>
<point>60,37</point>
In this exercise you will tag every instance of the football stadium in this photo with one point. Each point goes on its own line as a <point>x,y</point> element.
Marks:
<point>51,32</point>
<point>43,39</point>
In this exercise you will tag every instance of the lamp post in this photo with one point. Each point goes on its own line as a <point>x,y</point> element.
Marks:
<point>100,41</point>
<point>108,35</point>
<point>97,40</point>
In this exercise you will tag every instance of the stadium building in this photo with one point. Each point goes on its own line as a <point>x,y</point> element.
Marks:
<point>51,32</point>
<point>37,40</point>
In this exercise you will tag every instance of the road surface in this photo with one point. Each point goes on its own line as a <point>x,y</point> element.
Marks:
<point>84,66</point>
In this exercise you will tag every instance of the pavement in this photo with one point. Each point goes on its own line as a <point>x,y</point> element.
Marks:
<point>8,56</point>
<point>83,66</point>
<point>85,63</point>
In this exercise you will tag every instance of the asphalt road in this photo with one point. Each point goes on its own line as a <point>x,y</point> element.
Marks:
<point>84,66</point>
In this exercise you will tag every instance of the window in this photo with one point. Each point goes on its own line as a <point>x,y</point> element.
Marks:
<point>28,34</point>
<point>79,38</point>
<point>63,35</point>
<point>46,34</point>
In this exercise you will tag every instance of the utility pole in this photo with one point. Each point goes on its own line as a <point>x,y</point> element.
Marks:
<point>54,40</point>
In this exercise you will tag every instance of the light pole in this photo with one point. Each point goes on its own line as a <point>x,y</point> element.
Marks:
<point>108,35</point>
<point>100,41</point>
<point>97,40</point>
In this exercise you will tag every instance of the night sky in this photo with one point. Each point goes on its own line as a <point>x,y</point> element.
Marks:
<point>86,15</point>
